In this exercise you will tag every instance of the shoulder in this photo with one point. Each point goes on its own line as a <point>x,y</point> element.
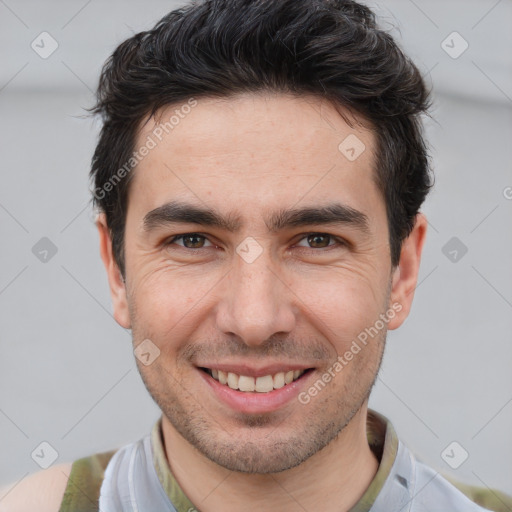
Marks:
<point>490,499</point>
<point>65,487</point>
<point>437,489</point>
<point>42,491</point>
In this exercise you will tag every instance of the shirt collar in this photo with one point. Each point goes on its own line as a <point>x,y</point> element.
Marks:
<point>382,440</point>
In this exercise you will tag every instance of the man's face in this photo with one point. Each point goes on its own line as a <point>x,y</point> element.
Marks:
<point>267,292</point>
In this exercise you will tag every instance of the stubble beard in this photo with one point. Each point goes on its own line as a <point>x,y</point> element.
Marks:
<point>269,443</point>
<point>263,448</point>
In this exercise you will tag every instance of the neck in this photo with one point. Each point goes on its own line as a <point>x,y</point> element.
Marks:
<point>332,480</point>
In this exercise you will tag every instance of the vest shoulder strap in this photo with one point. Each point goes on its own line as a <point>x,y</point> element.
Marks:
<point>83,489</point>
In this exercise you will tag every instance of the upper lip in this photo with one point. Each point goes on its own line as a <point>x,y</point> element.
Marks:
<point>253,371</point>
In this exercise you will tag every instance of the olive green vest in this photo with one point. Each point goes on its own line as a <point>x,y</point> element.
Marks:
<point>87,474</point>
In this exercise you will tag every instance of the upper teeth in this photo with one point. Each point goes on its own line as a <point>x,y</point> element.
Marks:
<point>259,384</point>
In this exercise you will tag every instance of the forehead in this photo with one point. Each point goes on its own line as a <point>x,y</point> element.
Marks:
<point>254,151</point>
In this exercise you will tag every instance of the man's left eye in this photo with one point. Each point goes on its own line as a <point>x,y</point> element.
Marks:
<point>320,240</point>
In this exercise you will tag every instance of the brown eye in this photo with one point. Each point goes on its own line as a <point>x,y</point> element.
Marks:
<point>190,241</point>
<point>193,241</point>
<point>318,240</point>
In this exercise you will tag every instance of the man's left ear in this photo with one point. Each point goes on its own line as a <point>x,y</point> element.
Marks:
<point>405,275</point>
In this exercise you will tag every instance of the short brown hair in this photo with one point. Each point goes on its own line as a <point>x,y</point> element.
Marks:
<point>217,48</point>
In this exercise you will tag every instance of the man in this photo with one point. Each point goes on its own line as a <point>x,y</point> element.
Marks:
<point>259,177</point>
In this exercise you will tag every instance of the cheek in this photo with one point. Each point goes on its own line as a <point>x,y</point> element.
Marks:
<point>341,306</point>
<point>168,302</point>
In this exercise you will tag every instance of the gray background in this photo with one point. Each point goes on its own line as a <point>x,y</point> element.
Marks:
<point>67,374</point>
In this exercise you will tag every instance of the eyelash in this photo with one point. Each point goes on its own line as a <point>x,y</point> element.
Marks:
<point>339,242</point>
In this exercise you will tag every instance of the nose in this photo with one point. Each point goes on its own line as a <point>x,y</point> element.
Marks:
<point>256,303</point>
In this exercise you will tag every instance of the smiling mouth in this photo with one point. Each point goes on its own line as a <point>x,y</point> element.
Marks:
<point>263,384</point>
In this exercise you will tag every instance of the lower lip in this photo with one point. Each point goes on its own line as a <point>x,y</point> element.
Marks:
<point>254,402</point>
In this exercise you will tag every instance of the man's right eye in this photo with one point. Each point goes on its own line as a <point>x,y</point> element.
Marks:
<point>189,241</point>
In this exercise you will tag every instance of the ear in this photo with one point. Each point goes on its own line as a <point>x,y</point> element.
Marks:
<point>115,280</point>
<point>405,275</point>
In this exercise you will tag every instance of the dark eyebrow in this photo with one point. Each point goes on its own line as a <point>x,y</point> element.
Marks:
<point>176,212</point>
<point>335,213</point>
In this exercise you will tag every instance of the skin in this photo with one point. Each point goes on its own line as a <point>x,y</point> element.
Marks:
<point>42,491</point>
<point>252,155</point>
<point>302,301</point>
